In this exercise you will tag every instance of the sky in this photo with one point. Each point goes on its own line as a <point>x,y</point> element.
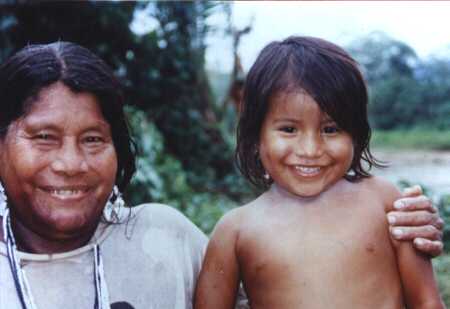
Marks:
<point>423,25</point>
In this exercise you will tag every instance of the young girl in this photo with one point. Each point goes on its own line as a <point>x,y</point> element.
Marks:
<point>318,237</point>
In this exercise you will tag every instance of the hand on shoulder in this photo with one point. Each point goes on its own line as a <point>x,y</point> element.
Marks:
<point>414,218</point>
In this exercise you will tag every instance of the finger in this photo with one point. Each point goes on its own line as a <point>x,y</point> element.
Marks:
<point>412,191</point>
<point>410,232</point>
<point>439,223</point>
<point>415,218</point>
<point>432,248</point>
<point>420,202</point>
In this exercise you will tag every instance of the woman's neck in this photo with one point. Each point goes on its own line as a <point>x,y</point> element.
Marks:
<point>31,242</point>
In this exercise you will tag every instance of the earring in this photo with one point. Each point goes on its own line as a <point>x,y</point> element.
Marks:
<point>115,202</point>
<point>2,200</point>
<point>266,176</point>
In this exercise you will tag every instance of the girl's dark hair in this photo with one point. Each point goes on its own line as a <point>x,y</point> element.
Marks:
<point>35,67</point>
<point>322,70</point>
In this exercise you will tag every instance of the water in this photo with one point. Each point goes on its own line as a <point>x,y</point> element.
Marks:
<point>428,168</point>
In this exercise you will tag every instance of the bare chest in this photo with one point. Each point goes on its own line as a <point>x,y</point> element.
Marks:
<point>315,252</point>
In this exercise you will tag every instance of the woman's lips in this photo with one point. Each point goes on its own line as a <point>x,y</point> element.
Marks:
<point>67,192</point>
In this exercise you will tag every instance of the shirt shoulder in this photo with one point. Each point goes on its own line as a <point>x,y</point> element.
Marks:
<point>163,216</point>
<point>160,221</point>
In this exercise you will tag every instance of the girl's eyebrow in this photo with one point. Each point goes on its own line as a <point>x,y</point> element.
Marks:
<point>286,119</point>
<point>327,118</point>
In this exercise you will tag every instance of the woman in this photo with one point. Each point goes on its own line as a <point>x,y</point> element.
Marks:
<point>65,156</point>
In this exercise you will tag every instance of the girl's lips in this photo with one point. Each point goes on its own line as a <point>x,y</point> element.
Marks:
<point>308,171</point>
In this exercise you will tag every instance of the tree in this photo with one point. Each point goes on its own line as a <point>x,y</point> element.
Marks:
<point>182,151</point>
<point>389,67</point>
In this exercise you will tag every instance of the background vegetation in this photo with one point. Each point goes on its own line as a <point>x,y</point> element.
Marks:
<point>184,133</point>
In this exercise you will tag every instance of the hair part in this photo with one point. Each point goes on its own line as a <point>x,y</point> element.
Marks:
<point>25,74</point>
<point>323,71</point>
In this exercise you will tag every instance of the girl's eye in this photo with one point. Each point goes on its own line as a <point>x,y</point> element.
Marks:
<point>287,129</point>
<point>330,129</point>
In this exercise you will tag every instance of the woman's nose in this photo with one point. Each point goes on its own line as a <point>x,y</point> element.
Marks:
<point>69,160</point>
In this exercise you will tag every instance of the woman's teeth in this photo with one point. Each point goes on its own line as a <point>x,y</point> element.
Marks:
<point>65,192</point>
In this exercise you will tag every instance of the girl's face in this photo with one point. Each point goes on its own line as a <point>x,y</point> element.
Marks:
<point>58,164</point>
<point>301,148</point>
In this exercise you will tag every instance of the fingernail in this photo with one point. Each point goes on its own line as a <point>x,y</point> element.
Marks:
<point>419,242</point>
<point>391,219</point>
<point>397,232</point>
<point>399,204</point>
<point>408,190</point>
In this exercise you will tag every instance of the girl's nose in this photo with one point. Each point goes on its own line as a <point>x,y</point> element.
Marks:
<point>309,146</point>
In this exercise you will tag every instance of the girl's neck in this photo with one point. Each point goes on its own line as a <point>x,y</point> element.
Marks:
<point>283,194</point>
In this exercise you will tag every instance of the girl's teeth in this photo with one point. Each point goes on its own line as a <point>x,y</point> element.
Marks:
<point>308,170</point>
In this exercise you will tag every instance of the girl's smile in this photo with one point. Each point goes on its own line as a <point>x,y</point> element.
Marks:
<point>301,148</point>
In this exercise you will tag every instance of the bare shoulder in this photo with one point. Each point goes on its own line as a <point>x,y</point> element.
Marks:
<point>384,189</point>
<point>232,221</point>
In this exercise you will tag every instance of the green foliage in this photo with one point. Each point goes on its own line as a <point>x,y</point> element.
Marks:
<point>381,56</point>
<point>404,91</point>
<point>444,208</point>
<point>441,266</point>
<point>161,178</point>
<point>186,157</point>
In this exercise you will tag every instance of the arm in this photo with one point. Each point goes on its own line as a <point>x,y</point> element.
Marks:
<point>420,289</point>
<point>416,272</point>
<point>417,219</point>
<point>218,282</point>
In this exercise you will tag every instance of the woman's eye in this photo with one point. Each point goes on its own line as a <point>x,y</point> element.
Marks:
<point>331,129</point>
<point>43,136</point>
<point>93,139</point>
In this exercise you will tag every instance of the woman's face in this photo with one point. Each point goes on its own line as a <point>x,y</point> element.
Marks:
<point>58,165</point>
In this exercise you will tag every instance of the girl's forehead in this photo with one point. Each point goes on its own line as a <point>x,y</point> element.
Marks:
<point>296,103</point>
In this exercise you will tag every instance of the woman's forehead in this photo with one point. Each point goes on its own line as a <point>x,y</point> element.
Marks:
<point>57,104</point>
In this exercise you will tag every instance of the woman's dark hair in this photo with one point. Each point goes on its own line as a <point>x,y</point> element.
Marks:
<point>35,67</point>
<point>323,71</point>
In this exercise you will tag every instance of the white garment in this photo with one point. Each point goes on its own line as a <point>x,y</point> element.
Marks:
<point>151,260</point>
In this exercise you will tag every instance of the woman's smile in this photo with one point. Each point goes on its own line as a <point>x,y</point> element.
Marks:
<point>67,193</point>
<point>60,163</point>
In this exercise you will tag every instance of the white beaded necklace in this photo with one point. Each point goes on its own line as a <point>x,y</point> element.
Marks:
<point>20,278</point>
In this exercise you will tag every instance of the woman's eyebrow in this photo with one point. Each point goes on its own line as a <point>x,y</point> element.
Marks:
<point>51,125</point>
